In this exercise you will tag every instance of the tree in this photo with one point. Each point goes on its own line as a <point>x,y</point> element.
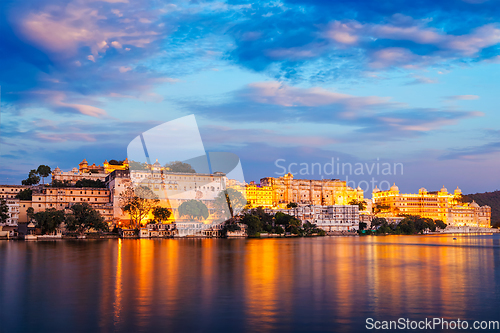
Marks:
<point>378,221</point>
<point>4,211</point>
<point>362,225</point>
<point>30,212</point>
<point>161,213</point>
<point>32,179</point>
<point>229,203</point>
<point>194,209</point>
<point>115,162</point>
<point>279,229</point>
<point>133,165</point>
<point>58,183</point>
<point>85,182</point>
<point>254,224</point>
<point>361,204</point>
<point>49,220</point>
<point>85,218</point>
<point>138,203</point>
<point>178,166</point>
<point>43,171</point>
<point>440,224</point>
<point>291,205</point>
<point>25,194</point>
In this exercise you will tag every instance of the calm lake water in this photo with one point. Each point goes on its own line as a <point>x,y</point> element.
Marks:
<point>240,285</point>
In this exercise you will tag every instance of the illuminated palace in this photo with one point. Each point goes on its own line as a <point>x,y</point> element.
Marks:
<point>93,172</point>
<point>278,192</point>
<point>438,205</point>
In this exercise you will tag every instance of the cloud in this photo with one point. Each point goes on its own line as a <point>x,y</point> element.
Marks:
<point>417,79</point>
<point>324,41</point>
<point>366,117</point>
<point>463,97</point>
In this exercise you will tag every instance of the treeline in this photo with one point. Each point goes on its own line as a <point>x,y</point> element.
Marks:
<point>410,225</point>
<point>491,199</point>
<point>84,182</point>
<point>83,218</point>
<point>258,221</point>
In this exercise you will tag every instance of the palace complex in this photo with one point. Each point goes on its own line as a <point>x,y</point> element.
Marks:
<point>438,205</point>
<point>278,192</point>
<point>326,202</point>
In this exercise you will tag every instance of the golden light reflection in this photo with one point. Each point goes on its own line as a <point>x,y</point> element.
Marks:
<point>261,284</point>
<point>118,285</point>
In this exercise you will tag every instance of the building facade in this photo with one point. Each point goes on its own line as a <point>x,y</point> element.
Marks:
<point>437,205</point>
<point>64,198</point>
<point>325,192</point>
<point>13,213</point>
<point>329,218</point>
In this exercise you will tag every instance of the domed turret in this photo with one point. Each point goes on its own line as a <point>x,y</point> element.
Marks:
<point>458,191</point>
<point>444,189</point>
<point>376,189</point>
<point>422,190</point>
<point>394,188</point>
<point>474,204</point>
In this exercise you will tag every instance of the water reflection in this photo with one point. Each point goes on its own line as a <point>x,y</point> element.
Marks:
<point>246,285</point>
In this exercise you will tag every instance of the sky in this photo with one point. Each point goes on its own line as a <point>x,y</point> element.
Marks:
<point>391,91</point>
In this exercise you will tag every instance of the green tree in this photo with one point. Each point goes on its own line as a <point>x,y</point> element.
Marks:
<point>279,229</point>
<point>178,166</point>
<point>229,203</point>
<point>440,224</point>
<point>85,182</point>
<point>161,213</point>
<point>361,204</point>
<point>25,194</point>
<point>58,183</point>
<point>362,225</point>
<point>194,209</point>
<point>138,203</point>
<point>32,179</point>
<point>133,165</point>
<point>291,205</point>
<point>30,212</point>
<point>49,220</point>
<point>43,171</point>
<point>85,218</point>
<point>4,211</point>
<point>254,224</point>
<point>377,221</point>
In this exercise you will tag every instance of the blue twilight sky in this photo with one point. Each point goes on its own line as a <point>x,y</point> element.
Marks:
<point>292,81</point>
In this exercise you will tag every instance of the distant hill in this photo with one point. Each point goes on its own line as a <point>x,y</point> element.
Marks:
<point>491,199</point>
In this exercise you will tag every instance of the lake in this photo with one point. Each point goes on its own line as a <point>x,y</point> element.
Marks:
<point>246,285</point>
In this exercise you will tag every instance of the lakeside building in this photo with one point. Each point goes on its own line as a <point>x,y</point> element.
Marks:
<point>86,171</point>
<point>172,188</point>
<point>286,189</point>
<point>329,218</point>
<point>260,196</point>
<point>117,182</point>
<point>12,213</point>
<point>62,198</point>
<point>10,191</point>
<point>437,205</point>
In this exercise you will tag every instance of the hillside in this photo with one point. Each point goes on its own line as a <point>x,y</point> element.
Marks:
<point>491,199</point>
